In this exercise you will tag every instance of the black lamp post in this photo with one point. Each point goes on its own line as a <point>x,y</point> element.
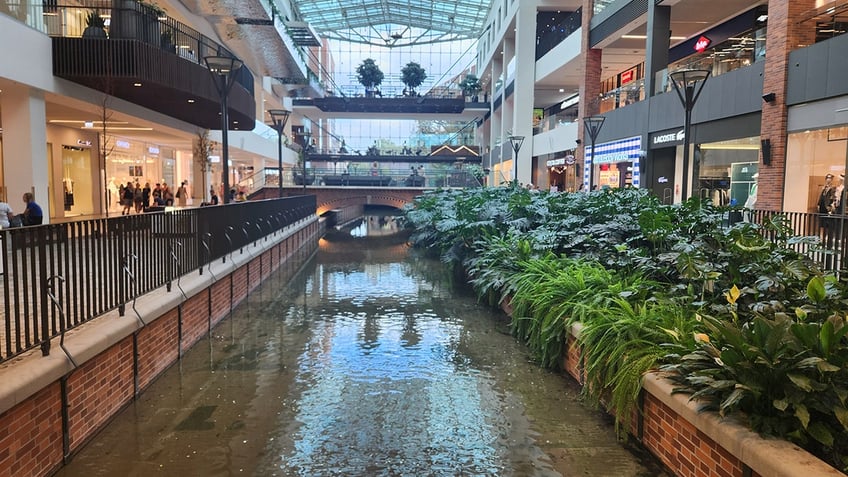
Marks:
<point>223,70</point>
<point>279,118</point>
<point>516,142</point>
<point>688,84</point>
<point>307,138</point>
<point>592,127</point>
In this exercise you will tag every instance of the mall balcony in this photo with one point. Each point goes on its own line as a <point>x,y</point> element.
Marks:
<point>143,56</point>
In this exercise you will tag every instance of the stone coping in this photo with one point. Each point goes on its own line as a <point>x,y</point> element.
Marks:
<point>23,376</point>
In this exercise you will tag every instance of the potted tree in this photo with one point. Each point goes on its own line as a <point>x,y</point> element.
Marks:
<point>95,26</point>
<point>369,75</point>
<point>412,76</point>
<point>471,86</point>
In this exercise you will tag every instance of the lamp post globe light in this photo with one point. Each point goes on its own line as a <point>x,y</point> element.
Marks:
<point>688,84</point>
<point>516,142</point>
<point>223,70</point>
<point>279,118</point>
<point>307,138</point>
<point>592,127</point>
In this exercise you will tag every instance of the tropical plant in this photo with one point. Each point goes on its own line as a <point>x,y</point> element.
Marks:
<point>95,25</point>
<point>368,74</point>
<point>470,85</point>
<point>786,372</point>
<point>412,76</point>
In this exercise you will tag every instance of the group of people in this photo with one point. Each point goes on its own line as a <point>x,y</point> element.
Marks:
<point>133,196</point>
<point>32,215</point>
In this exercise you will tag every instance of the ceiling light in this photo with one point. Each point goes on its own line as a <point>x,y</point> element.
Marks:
<point>137,85</point>
<point>190,100</point>
<point>562,90</point>
<point>762,18</point>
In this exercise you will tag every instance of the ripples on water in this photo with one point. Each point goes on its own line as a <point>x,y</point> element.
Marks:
<point>366,364</point>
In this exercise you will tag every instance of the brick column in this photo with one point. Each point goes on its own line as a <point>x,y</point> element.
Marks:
<point>590,85</point>
<point>784,35</point>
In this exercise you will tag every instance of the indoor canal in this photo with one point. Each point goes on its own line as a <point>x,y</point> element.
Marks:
<point>360,359</point>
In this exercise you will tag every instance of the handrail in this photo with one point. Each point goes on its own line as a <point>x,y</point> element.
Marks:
<point>93,257</point>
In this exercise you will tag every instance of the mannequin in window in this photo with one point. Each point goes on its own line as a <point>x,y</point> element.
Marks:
<point>838,206</point>
<point>751,201</point>
<point>827,198</point>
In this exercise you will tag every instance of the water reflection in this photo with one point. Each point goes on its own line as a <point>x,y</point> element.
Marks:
<point>376,226</point>
<point>367,363</point>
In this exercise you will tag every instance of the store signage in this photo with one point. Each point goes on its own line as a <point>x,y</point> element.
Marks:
<point>622,150</point>
<point>215,159</point>
<point>556,162</point>
<point>84,142</point>
<point>153,150</point>
<point>668,138</point>
<point>569,159</point>
<point>122,144</point>
<point>628,76</point>
<point>702,44</point>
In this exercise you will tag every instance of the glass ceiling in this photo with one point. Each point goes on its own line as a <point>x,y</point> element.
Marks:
<point>394,23</point>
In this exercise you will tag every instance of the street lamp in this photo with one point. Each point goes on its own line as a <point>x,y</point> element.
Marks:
<point>223,70</point>
<point>307,137</point>
<point>516,142</point>
<point>279,117</point>
<point>592,127</point>
<point>688,84</point>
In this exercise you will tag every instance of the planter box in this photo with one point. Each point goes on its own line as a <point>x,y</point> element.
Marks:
<point>702,444</point>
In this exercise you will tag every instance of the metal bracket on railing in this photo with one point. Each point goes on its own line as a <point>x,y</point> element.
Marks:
<point>259,228</point>
<point>205,243</point>
<point>176,260</point>
<point>52,295</point>
<point>229,242</point>
<point>246,236</point>
<point>125,264</point>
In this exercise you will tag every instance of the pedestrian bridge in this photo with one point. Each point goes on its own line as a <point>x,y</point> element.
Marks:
<point>348,194</point>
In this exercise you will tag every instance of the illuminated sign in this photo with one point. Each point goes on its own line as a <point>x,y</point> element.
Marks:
<point>628,76</point>
<point>153,150</point>
<point>702,44</point>
<point>122,144</point>
<point>84,142</point>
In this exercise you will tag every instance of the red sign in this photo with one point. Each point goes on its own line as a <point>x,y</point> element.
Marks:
<point>626,77</point>
<point>702,44</point>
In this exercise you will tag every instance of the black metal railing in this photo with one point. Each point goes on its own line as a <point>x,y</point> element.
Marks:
<point>125,20</point>
<point>103,264</point>
<point>830,231</point>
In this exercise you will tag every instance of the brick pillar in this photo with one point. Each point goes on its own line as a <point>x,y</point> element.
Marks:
<point>784,35</point>
<point>590,85</point>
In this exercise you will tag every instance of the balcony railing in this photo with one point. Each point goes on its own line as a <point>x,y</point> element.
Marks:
<point>125,19</point>
<point>59,276</point>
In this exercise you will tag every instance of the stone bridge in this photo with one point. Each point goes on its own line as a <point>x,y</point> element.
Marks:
<point>349,200</point>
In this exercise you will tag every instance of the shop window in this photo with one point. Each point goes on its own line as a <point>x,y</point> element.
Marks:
<point>727,170</point>
<point>810,157</point>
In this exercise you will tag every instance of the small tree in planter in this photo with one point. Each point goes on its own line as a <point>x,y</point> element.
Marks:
<point>412,76</point>
<point>95,26</point>
<point>369,75</point>
<point>471,86</point>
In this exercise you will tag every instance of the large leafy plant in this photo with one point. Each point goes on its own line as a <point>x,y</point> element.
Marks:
<point>786,372</point>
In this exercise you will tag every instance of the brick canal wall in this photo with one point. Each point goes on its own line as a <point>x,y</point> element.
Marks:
<point>49,407</point>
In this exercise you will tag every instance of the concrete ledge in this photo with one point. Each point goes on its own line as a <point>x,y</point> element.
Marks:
<point>25,375</point>
<point>766,456</point>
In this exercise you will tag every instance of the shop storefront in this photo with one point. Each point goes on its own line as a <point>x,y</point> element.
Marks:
<point>817,146</point>
<point>725,161</point>
<point>562,173</point>
<point>616,164</point>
